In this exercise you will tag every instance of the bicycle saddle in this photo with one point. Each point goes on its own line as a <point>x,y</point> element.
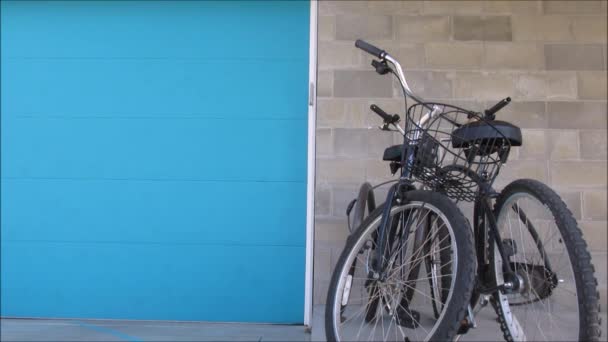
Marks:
<point>393,153</point>
<point>484,132</point>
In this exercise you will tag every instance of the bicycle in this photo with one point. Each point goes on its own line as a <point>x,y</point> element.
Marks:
<point>455,155</point>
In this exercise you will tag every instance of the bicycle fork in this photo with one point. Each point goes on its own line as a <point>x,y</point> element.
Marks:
<point>395,195</point>
<point>388,230</point>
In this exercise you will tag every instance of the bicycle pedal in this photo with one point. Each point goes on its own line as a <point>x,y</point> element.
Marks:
<point>408,318</point>
<point>465,326</point>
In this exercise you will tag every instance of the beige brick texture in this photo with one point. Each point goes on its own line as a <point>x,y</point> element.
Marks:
<point>453,7</point>
<point>324,142</point>
<point>526,114</point>
<point>489,86</point>
<point>423,28</point>
<point>412,55</point>
<point>595,205</point>
<point>338,54</point>
<point>561,85</point>
<point>325,79</point>
<point>322,200</point>
<point>573,7</point>
<point>563,144</point>
<point>592,85</point>
<point>574,57</point>
<point>359,83</point>
<point>589,29</point>
<point>487,28</point>
<point>550,57</point>
<point>585,174</point>
<point>351,27</point>
<point>326,28</point>
<point>548,28</point>
<point>535,146</point>
<point>460,55</point>
<point>428,84</point>
<point>593,144</point>
<point>581,115</point>
<point>512,7</point>
<point>527,56</point>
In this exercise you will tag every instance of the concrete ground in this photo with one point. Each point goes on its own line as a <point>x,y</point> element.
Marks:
<point>132,331</point>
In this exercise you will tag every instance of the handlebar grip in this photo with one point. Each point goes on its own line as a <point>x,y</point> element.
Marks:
<point>500,105</point>
<point>369,48</point>
<point>380,112</point>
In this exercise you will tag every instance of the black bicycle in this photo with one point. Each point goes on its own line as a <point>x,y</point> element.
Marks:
<point>414,269</point>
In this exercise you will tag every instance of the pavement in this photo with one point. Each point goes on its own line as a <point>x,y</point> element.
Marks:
<point>139,331</point>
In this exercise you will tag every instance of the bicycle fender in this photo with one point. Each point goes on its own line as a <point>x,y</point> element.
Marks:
<point>365,198</point>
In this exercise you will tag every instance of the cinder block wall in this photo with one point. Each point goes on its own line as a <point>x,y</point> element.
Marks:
<point>550,57</point>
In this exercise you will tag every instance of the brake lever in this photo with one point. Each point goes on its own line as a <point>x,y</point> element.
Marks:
<point>381,67</point>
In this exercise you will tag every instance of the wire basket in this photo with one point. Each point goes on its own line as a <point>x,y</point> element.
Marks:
<point>455,150</point>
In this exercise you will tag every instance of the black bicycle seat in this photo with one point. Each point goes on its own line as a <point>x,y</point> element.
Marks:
<point>393,153</point>
<point>483,132</point>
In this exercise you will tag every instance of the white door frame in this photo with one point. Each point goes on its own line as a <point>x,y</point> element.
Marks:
<point>310,182</point>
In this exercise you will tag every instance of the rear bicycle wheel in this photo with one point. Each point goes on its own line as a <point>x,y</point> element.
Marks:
<point>399,307</point>
<point>557,298</point>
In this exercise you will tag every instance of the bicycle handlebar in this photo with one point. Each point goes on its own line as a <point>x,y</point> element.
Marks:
<point>384,115</point>
<point>369,48</point>
<point>387,118</point>
<point>398,71</point>
<point>500,105</point>
<point>383,55</point>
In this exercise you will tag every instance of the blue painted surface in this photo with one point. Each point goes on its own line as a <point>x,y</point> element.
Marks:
<point>154,159</point>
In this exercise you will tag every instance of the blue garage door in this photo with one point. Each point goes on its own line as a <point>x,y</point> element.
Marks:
<point>154,159</point>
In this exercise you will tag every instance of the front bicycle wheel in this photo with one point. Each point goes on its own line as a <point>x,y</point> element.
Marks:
<point>398,307</point>
<point>555,296</point>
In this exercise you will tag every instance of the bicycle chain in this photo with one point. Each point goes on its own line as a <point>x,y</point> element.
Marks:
<point>501,320</point>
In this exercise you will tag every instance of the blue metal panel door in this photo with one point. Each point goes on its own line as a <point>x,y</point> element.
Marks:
<point>154,159</point>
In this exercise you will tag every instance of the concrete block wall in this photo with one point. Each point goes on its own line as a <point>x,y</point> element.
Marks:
<point>550,57</point>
